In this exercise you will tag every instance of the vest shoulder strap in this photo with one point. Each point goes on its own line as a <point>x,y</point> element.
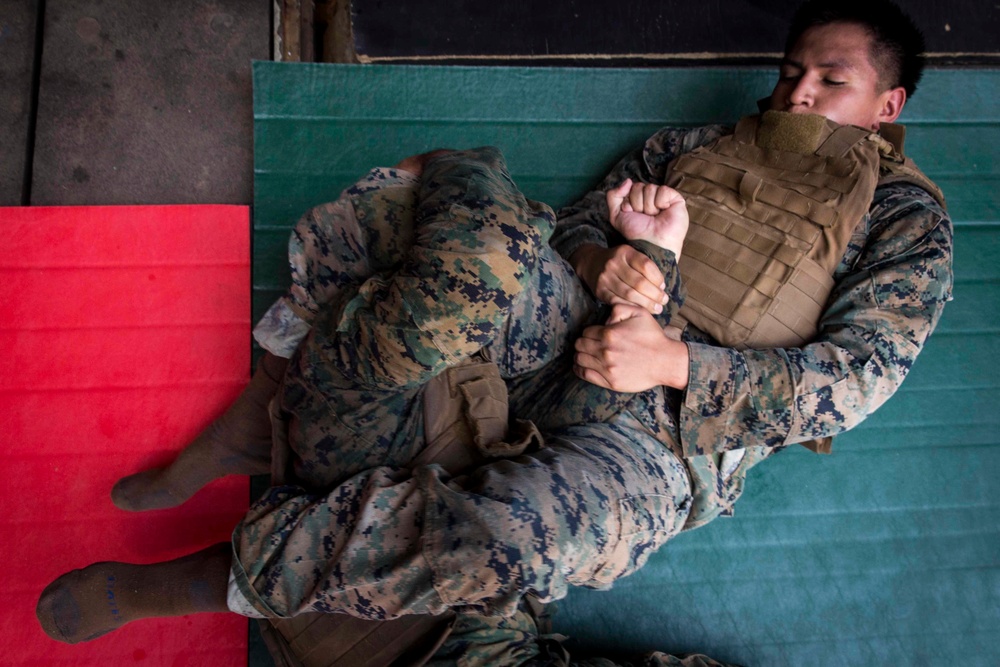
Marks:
<point>895,167</point>
<point>900,169</point>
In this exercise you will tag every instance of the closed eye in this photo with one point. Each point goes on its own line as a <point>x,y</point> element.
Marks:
<point>789,71</point>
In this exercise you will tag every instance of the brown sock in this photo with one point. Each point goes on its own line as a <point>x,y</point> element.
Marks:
<point>84,604</point>
<point>237,443</point>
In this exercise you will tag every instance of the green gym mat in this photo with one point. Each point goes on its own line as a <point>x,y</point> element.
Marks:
<point>886,552</point>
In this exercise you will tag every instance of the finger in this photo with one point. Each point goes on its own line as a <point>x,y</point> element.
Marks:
<point>649,199</point>
<point>665,197</point>
<point>651,284</point>
<point>652,299</point>
<point>623,312</point>
<point>588,340</point>
<point>628,295</point>
<point>635,196</point>
<point>629,286</point>
<point>590,368</point>
<point>631,277</point>
<point>644,266</point>
<point>615,196</point>
<point>591,376</point>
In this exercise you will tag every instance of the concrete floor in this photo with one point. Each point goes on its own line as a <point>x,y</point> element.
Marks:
<point>116,102</point>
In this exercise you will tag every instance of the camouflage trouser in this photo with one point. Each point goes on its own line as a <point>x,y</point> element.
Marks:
<point>524,640</point>
<point>363,535</point>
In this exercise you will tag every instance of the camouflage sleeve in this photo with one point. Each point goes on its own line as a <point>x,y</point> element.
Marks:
<point>885,305</point>
<point>586,221</point>
<point>666,260</point>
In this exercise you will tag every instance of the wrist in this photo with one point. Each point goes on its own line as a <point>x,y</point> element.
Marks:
<point>676,369</point>
<point>583,260</point>
<point>672,240</point>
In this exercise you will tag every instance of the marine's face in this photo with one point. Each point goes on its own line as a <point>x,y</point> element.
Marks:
<point>829,72</point>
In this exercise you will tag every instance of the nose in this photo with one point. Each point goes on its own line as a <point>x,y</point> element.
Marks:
<point>801,94</point>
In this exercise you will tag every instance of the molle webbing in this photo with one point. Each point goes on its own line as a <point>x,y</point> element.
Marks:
<point>772,208</point>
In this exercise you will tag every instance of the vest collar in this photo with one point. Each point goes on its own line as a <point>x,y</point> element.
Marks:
<point>894,133</point>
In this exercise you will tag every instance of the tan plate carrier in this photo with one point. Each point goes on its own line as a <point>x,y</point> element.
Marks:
<point>773,207</point>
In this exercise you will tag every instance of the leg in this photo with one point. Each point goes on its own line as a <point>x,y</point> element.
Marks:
<point>475,251</point>
<point>352,392</point>
<point>84,604</point>
<point>333,247</point>
<point>544,321</point>
<point>237,443</point>
<point>586,509</point>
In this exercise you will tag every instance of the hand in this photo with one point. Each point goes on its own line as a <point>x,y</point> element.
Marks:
<point>415,163</point>
<point>630,353</point>
<point>648,212</point>
<point>621,275</point>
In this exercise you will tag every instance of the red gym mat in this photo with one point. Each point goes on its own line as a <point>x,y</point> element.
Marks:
<point>124,331</point>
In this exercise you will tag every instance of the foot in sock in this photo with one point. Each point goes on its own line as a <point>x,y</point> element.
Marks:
<point>85,604</point>
<point>237,443</point>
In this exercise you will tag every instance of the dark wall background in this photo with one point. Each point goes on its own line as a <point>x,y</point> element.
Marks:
<point>596,31</point>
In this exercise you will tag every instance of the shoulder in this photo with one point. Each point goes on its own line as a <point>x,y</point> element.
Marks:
<point>669,142</point>
<point>909,244</point>
<point>904,215</point>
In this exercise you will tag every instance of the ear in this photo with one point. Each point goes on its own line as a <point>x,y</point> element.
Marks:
<point>892,104</point>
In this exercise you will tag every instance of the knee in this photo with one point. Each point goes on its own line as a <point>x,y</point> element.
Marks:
<point>648,493</point>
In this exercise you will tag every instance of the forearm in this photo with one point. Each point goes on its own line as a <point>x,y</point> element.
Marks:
<point>775,397</point>
<point>586,221</point>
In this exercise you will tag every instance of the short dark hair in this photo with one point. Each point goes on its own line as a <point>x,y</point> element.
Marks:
<point>897,44</point>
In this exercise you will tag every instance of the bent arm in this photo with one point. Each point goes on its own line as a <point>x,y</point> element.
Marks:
<point>880,314</point>
<point>586,222</point>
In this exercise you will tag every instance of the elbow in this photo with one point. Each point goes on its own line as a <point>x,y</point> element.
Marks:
<point>844,404</point>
